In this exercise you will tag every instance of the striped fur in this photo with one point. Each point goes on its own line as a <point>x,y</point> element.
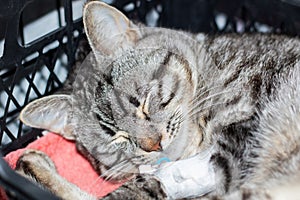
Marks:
<point>148,93</point>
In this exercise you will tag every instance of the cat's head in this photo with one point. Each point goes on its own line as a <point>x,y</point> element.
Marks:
<point>131,106</point>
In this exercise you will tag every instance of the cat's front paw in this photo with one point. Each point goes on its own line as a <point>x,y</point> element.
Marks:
<point>34,163</point>
<point>38,167</point>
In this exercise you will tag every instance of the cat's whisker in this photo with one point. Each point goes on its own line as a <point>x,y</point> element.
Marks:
<point>119,173</point>
<point>204,108</point>
<point>201,94</point>
<point>100,177</point>
<point>114,168</point>
<point>97,182</point>
<point>118,169</point>
<point>208,98</point>
<point>109,174</point>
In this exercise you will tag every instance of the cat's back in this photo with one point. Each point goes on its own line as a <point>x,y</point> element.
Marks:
<point>242,70</point>
<point>245,50</point>
<point>249,60</point>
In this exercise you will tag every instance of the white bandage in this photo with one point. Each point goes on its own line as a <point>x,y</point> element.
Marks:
<point>187,178</point>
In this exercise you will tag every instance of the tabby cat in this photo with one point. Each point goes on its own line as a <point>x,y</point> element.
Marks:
<point>180,115</point>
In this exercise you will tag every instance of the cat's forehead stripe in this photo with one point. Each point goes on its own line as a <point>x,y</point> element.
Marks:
<point>186,66</point>
<point>167,58</point>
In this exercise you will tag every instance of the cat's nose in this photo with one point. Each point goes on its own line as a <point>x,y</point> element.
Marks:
<point>151,145</point>
<point>156,147</point>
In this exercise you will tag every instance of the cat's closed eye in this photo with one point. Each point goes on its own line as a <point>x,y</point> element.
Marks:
<point>134,101</point>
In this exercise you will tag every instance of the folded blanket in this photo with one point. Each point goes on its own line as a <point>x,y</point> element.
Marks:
<point>70,164</point>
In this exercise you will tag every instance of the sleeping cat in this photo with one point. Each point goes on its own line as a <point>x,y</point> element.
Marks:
<point>222,110</point>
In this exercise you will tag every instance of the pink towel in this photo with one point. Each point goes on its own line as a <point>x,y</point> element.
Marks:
<point>70,164</point>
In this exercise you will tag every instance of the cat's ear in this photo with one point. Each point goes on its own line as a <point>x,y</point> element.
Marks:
<point>108,29</point>
<point>50,113</point>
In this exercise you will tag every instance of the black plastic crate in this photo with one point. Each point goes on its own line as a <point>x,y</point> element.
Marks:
<point>33,68</point>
